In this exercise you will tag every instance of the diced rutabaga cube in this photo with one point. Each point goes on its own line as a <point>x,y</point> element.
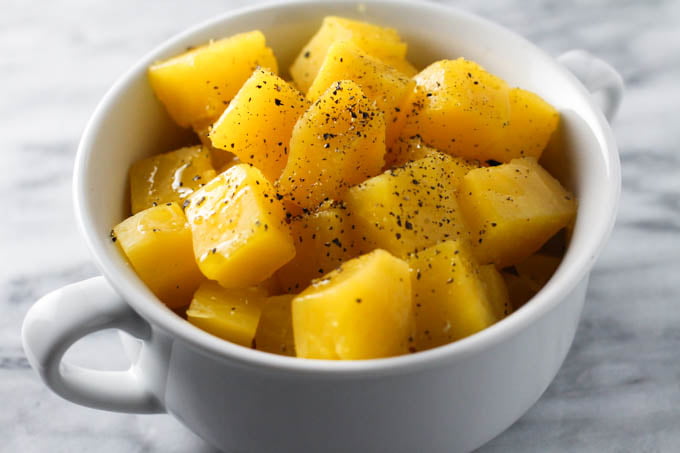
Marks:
<point>513,209</point>
<point>231,314</point>
<point>259,121</point>
<point>157,242</point>
<point>451,296</point>
<point>275,330</point>
<point>169,177</point>
<point>460,109</point>
<point>197,85</point>
<point>410,207</point>
<point>380,42</point>
<point>338,142</point>
<point>239,231</point>
<point>389,88</point>
<point>348,315</point>
<point>465,111</point>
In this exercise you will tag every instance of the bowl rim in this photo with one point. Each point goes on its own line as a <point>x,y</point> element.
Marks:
<point>154,312</point>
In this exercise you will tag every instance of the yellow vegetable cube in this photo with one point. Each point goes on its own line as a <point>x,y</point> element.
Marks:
<point>450,297</point>
<point>338,142</point>
<point>323,241</point>
<point>169,177</point>
<point>259,121</point>
<point>410,207</point>
<point>513,209</point>
<point>346,315</point>
<point>465,111</point>
<point>239,232</point>
<point>231,314</point>
<point>382,43</point>
<point>532,123</point>
<point>157,242</point>
<point>275,330</point>
<point>197,85</point>
<point>460,109</point>
<point>380,82</point>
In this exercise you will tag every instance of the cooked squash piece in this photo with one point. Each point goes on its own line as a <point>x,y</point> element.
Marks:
<point>382,43</point>
<point>238,225</point>
<point>532,123</point>
<point>383,84</point>
<point>465,111</point>
<point>338,142</point>
<point>496,290</point>
<point>275,330</point>
<point>157,242</point>
<point>259,121</point>
<point>413,148</point>
<point>323,241</point>
<point>450,297</point>
<point>196,86</point>
<point>460,109</point>
<point>169,177</point>
<point>410,207</point>
<point>513,209</point>
<point>346,315</point>
<point>231,314</point>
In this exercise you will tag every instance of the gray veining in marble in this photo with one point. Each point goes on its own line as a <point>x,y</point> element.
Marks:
<point>619,389</point>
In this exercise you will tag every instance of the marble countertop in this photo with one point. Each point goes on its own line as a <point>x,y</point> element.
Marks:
<point>619,389</point>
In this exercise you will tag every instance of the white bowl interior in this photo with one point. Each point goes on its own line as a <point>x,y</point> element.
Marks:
<point>131,124</point>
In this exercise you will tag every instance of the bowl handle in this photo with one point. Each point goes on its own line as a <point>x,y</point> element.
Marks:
<point>64,316</point>
<point>598,76</point>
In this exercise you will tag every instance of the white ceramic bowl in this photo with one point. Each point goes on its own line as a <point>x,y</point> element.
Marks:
<point>453,398</point>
